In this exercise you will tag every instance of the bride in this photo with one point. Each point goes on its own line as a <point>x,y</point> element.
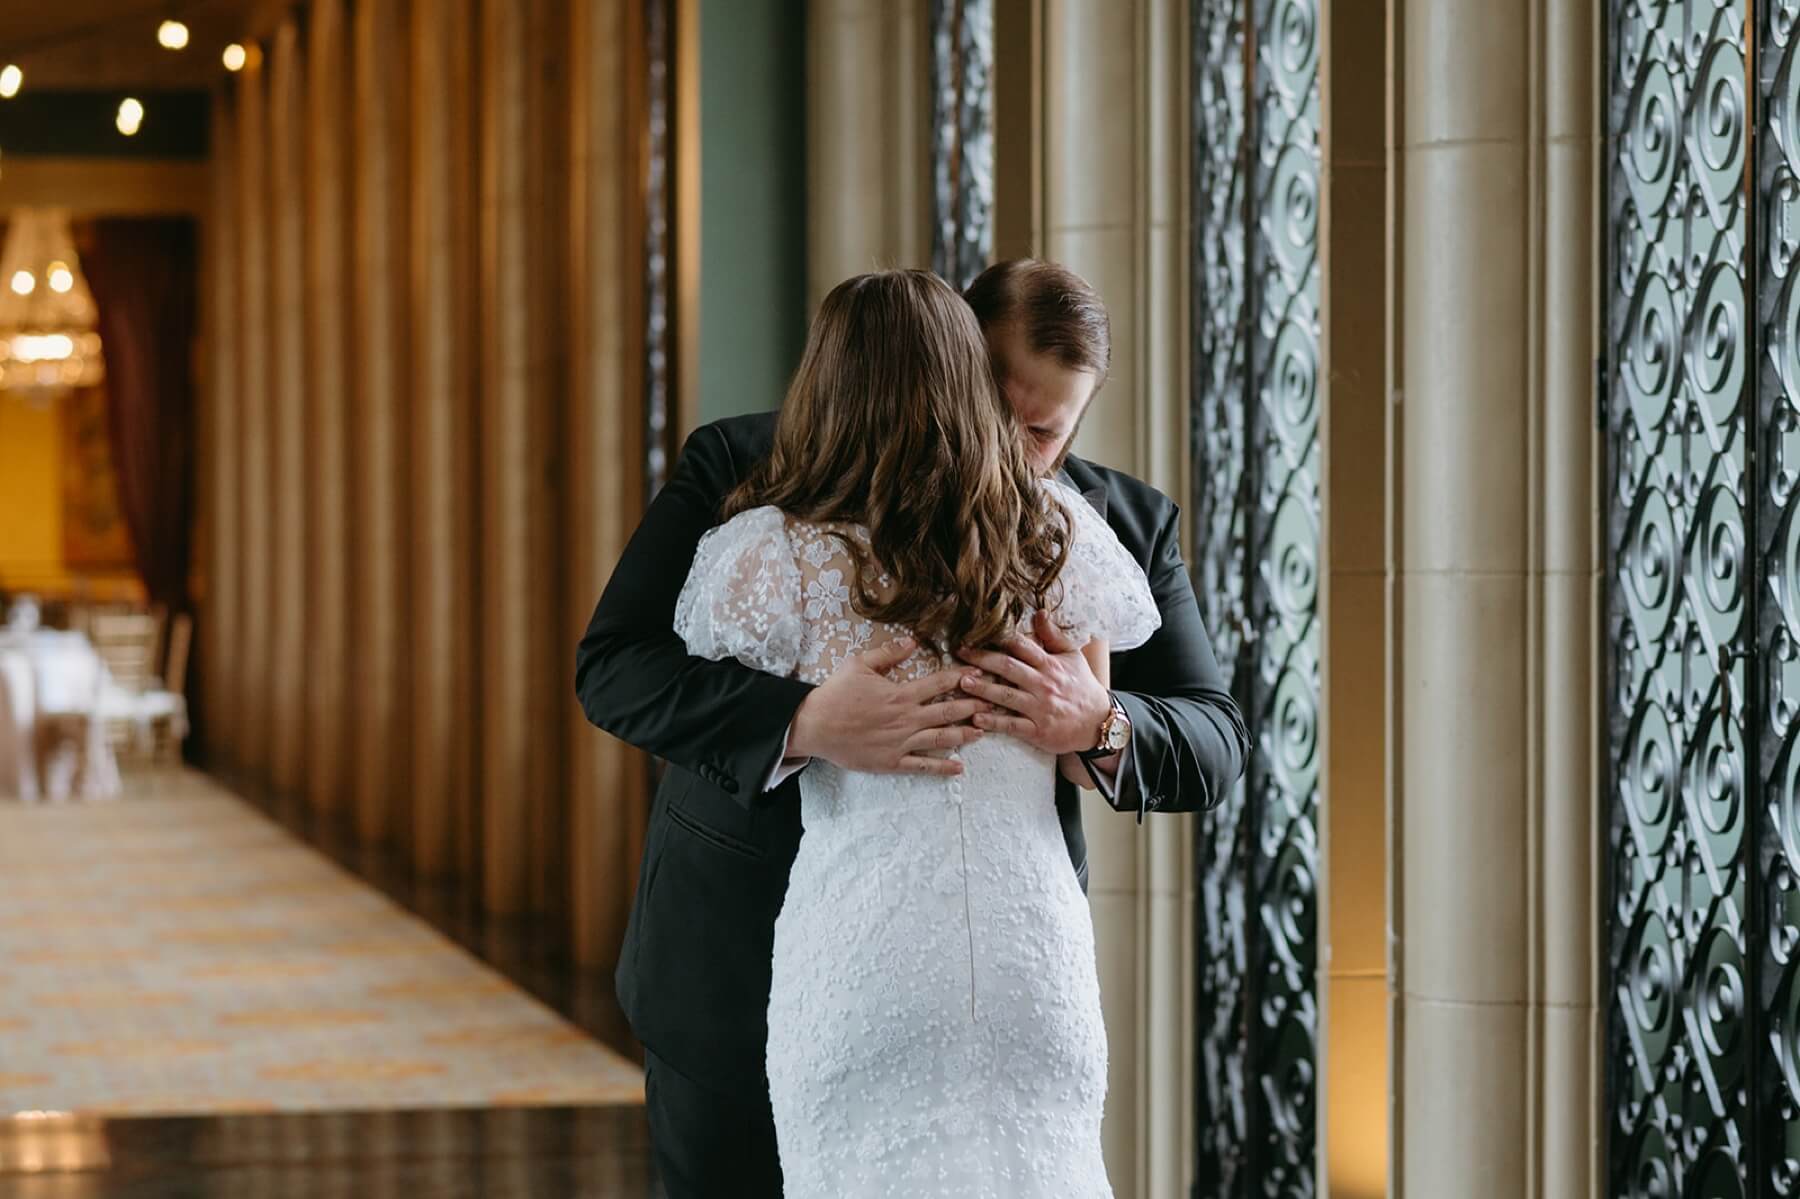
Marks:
<point>934,1014</point>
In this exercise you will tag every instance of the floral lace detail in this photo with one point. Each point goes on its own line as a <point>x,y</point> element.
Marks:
<point>739,598</point>
<point>934,1011</point>
<point>826,594</point>
<point>1103,591</point>
<point>775,593</point>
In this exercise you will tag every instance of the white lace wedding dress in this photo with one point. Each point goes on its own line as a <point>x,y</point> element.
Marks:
<point>934,1016</point>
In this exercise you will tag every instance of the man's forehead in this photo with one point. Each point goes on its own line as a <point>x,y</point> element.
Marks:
<point>1048,390</point>
<point>1033,402</point>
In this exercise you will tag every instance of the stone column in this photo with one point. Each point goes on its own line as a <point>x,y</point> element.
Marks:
<point>326,590</point>
<point>289,662</point>
<point>443,443</point>
<point>1570,829</point>
<point>1111,96</point>
<point>380,386</point>
<point>1495,1002</point>
<point>868,144</point>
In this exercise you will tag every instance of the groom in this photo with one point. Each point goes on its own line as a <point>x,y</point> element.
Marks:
<point>693,974</point>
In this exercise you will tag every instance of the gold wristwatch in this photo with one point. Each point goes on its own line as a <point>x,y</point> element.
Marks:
<point>1115,733</point>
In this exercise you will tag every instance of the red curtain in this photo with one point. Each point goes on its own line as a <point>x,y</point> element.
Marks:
<point>143,272</point>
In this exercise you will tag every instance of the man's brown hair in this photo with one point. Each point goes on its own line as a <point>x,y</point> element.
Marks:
<point>1055,309</point>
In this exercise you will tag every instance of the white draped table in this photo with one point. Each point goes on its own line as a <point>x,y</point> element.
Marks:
<point>49,679</point>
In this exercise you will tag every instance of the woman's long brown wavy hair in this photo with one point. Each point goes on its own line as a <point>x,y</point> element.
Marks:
<point>893,422</point>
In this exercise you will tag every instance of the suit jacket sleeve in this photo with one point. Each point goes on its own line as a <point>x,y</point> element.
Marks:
<point>1188,741</point>
<point>722,720</point>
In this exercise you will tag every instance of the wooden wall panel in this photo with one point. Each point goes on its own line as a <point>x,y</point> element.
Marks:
<point>444,511</point>
<point>605,444</point>
<point>287,427</point>
<point>523,161</point>
<point>434,264</point>
<point>255,708</point>
<point>222,448</point>
<point>327,309</point>
<point>380,388</point>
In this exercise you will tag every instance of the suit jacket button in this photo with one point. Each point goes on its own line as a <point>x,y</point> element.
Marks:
<point>729,784</point>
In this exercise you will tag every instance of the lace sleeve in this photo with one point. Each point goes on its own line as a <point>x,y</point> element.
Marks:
<point>1103,591</point>
<point>742,595</point>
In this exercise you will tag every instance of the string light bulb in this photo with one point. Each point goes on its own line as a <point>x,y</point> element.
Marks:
<point>235,57</point>
<point>131,116</point>
<point>62,279</point>
<point>11,79</point>
<point>23,283</point>
<point>172,35</point>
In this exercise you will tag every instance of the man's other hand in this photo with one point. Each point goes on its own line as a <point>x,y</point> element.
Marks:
<point>1050,695</point>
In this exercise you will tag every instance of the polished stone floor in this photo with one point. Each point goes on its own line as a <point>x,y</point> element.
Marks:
<point>448,1153</point>
<point>176,953</point>
<point>512,1153</point>
<point>528,951</point>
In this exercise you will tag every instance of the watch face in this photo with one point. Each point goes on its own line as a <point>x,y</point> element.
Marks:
<point>1116,733</point>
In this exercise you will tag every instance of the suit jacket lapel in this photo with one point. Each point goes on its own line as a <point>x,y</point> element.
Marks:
<point>1095,496</point>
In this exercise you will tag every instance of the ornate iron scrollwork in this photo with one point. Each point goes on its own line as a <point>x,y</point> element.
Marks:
<point>660,424</point>
<point>1684,1026</point>
<point>1256,501</point>
<point>1771,677</point>
<point>962,138</point>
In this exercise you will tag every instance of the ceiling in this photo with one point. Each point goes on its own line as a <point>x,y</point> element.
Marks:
<point>110,44</point>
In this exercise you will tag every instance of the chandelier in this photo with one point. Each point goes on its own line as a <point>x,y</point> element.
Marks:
<point>48,341</point>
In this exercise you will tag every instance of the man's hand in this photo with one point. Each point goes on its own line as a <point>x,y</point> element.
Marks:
<point>1050,694</point>
<point>860,719</point>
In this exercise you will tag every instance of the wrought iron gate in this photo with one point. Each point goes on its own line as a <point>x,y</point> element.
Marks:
<point>962,138</point>
<point>1703,1087</point>
<point>1256,503</point>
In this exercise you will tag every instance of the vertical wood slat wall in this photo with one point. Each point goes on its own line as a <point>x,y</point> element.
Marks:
<point>326,328</point>
<point>523,100</point>
<point>289,660</point>
<point>426,433</point>
<point>444,430</point>
<point>603,427</point>
<point>247,746</point>
<point>379,389</point>
<point>222,510</point>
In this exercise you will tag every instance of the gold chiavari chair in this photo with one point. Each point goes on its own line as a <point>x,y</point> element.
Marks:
<point>127,643</point>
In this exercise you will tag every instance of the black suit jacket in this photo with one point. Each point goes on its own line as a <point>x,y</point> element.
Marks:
<point>693,975</point>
